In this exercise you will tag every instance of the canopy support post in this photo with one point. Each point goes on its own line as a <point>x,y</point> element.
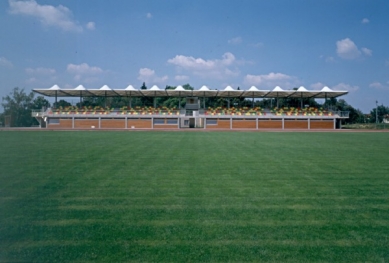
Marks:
<point>105,99</point>
<point>325,100</point>
<point>80,99</point>
<point>56,98</point>
<point>179,100</point>
<point>277,101</point>
<point>301,101</point>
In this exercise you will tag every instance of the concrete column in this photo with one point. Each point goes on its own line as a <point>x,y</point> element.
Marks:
<point>126,124</point>
<point>152,122</point>
<point>256,123</point>
<point>309,123</point>
<point>73,122</point>
<point>283,123</point>
<point>230,123</point>
<point>99,122</point>
<point>334,124</point>
<point>205,123</point>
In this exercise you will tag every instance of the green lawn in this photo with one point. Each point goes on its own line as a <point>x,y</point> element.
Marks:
<point>98,196</point>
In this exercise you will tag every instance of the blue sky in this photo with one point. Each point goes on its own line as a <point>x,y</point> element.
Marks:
<point>340,44</point>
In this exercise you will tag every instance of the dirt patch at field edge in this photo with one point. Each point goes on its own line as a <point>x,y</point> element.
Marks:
<point>196,130</point>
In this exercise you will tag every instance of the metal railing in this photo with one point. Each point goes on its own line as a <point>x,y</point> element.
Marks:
<point>37,113</point>
<point>51,113</point>
<point>343,114</point>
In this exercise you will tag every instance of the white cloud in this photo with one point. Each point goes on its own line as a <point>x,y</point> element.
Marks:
<point>271,80</point>
<point>347,49</point>
<point>84,72</point>
<point>216,68</point>
<point>258,45</point>
<point>83,68</point>
<point>91,25</point>
<point>148,75</point>
<point>48,15</point>
<point>181,77</point>
<point>365,21</point>
<point>235,41</point>
<point>149,15</point>
<point>366,51</point>
<point>41,75</point>
<point>380,86</point>
<point>327,58</point>
<point>5,63</point>
<point>40,71</point>
<point>342,86</point>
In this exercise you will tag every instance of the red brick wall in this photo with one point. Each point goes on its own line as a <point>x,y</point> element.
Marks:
<point>244,124</point>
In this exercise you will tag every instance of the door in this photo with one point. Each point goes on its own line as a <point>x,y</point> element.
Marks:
<point>191,122</point>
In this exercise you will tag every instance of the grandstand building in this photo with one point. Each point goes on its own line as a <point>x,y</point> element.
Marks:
<point>195,113</point>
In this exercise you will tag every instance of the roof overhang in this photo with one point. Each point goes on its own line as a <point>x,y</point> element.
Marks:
<point>253,92</point>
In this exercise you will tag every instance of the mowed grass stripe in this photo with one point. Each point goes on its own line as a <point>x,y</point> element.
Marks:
<point>217,196</point>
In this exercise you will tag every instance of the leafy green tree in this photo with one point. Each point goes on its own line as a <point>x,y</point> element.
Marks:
<point>187,87</point>
<point>143,86</point>
<point>18,105</point>
<point>1,119</point>
<point>91,102</point>
<point>381,110</point>
<point>61,103</point>
<point>266,103</point>
<point>355,115</point>
<point>40,103</point>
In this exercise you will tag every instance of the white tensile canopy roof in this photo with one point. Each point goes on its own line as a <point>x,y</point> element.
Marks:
<point>179,91</point>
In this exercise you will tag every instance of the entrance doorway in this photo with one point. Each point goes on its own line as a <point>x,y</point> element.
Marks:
<point>191,122</point>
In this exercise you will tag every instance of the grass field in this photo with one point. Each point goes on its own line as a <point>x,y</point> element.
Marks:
<point>194,196</point>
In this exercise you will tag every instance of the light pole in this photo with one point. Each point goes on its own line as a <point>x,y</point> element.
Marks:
<point>376,114</point>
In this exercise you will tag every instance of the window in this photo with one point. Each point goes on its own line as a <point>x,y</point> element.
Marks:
<point>171,121</point>
<point>211,121</point>
<point>53,121</point>
<point>159,121</point>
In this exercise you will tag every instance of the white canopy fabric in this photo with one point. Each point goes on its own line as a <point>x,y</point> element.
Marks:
<point>204,91</point>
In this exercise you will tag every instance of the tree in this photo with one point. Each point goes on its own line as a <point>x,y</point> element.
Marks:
<point>143,86</point>
<point>382,111</point>
<point>1,119</point>
<point>355,115</point>
<point>187,87</point>
<point>40,103</point>
<point>18,105</point>
<point>61,103</point>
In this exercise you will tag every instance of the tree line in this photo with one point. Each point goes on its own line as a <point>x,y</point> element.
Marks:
<point>18,105</point>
